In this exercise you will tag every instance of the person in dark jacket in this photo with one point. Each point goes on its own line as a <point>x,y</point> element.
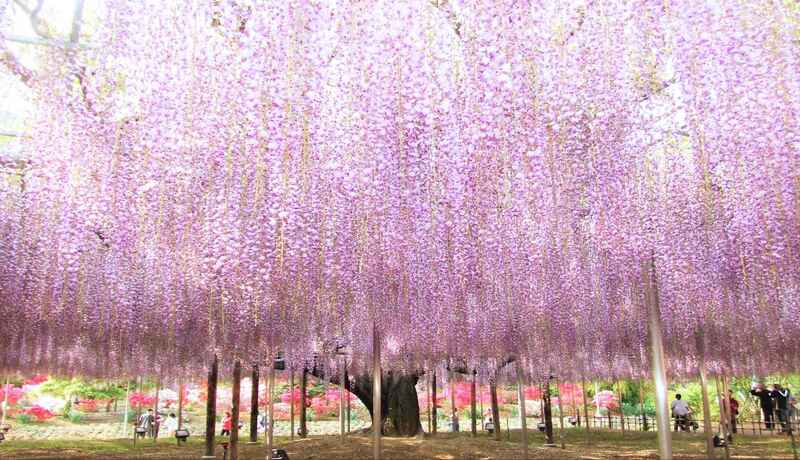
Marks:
<point>734,405</point>
<point>781,396</point>
<point>765,400</point>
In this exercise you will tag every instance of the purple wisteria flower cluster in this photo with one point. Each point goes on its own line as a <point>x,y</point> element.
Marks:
<point>477,178</point>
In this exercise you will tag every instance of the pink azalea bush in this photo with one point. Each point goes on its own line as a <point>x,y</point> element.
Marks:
<point>141,400</point>
<point>40,413</point>
<point>606,399</point>
<point>14,394</point>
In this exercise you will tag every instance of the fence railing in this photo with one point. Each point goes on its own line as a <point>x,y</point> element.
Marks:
<point>646,423</point>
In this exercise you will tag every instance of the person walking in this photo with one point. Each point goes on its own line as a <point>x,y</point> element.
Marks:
<point>226,424</point>
<point>781,396</point>
<point>734,404</point>
<point>765,402</point>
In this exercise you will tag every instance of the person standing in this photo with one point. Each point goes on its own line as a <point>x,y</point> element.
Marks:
<point>171,424</point>
<point>680,411</point>
<point>765,401</point>
<point>226,424</point>
<point>145,423</point>
<point>781,396</point>
<point>734,404</point>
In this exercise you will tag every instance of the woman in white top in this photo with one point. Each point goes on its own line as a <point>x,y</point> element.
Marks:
<point>171,424</point>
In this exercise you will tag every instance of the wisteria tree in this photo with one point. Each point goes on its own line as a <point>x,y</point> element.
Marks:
<point>469,179</point>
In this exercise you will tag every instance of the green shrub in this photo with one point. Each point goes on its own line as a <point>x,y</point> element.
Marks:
<point>131,417</point>
<point>24,419</point>
<point>76,416</point>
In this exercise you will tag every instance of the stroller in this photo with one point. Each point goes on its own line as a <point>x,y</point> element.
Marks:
<point>686,423</point>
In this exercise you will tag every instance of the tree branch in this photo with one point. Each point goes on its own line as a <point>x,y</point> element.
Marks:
<point>461,368</point>
<point>581,19</point>
<point>444,7</point>
<point>659,88</point>
<point>38,24</point>
<point>12,64</point>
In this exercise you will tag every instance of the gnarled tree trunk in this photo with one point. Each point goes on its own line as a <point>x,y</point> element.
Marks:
<point>399,404</point>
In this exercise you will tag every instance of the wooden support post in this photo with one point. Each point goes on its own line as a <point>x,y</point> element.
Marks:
<point>377,416</point>
<point>560,416</point>
<point>657,359</point>
<point>180,406</point>
<point>348,413</point>
<point>472,403</point>
<point>621,412</point>
<point>291,405</point>
<point>254,379</point>
<point>428,400</point>
<point>233,448</point>
<point>548,416</point>
<point>521,400</point>
<point>211,408</point>
<point>434,415</point>
<point>302,408</point>
<point>495,407</point>
<point>585,406</point>
<point>641,405</point>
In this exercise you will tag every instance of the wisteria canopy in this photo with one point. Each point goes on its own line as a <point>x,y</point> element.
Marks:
<point>477,179</point>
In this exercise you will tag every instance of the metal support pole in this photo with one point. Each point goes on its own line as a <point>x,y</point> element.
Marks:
<point>522,414</point>
<point>453,416</point>
<point>342,396</point>
<point>657,358</point>
<point>236,397</point>
<point>291,405</point>
<point>270,406</point>
<point>376,394</point>
<point>124,413</point>
<point>472,403</point>
<point>701,368</point>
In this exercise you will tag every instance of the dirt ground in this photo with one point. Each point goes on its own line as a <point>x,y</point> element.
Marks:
<point>598,445</point>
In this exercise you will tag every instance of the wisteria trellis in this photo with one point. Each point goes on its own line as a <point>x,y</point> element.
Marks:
<point>478,177</point>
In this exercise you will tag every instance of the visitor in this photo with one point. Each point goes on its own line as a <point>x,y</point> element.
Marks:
<point>734,405</point>
<point>680,411</point>
<point>454,423</point>
<point>765,401</point>
<point>226,424</point>
<point>781,396</point>
<point>262,422</point>
<point>171,424</point>
<point>489,426</point>
<point>145,423</point>
<point>792,412</point>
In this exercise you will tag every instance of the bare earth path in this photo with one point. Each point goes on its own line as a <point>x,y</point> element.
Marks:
<point>602,445</point>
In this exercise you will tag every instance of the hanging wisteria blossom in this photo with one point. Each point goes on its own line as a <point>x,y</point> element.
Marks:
<point>477,179</point>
